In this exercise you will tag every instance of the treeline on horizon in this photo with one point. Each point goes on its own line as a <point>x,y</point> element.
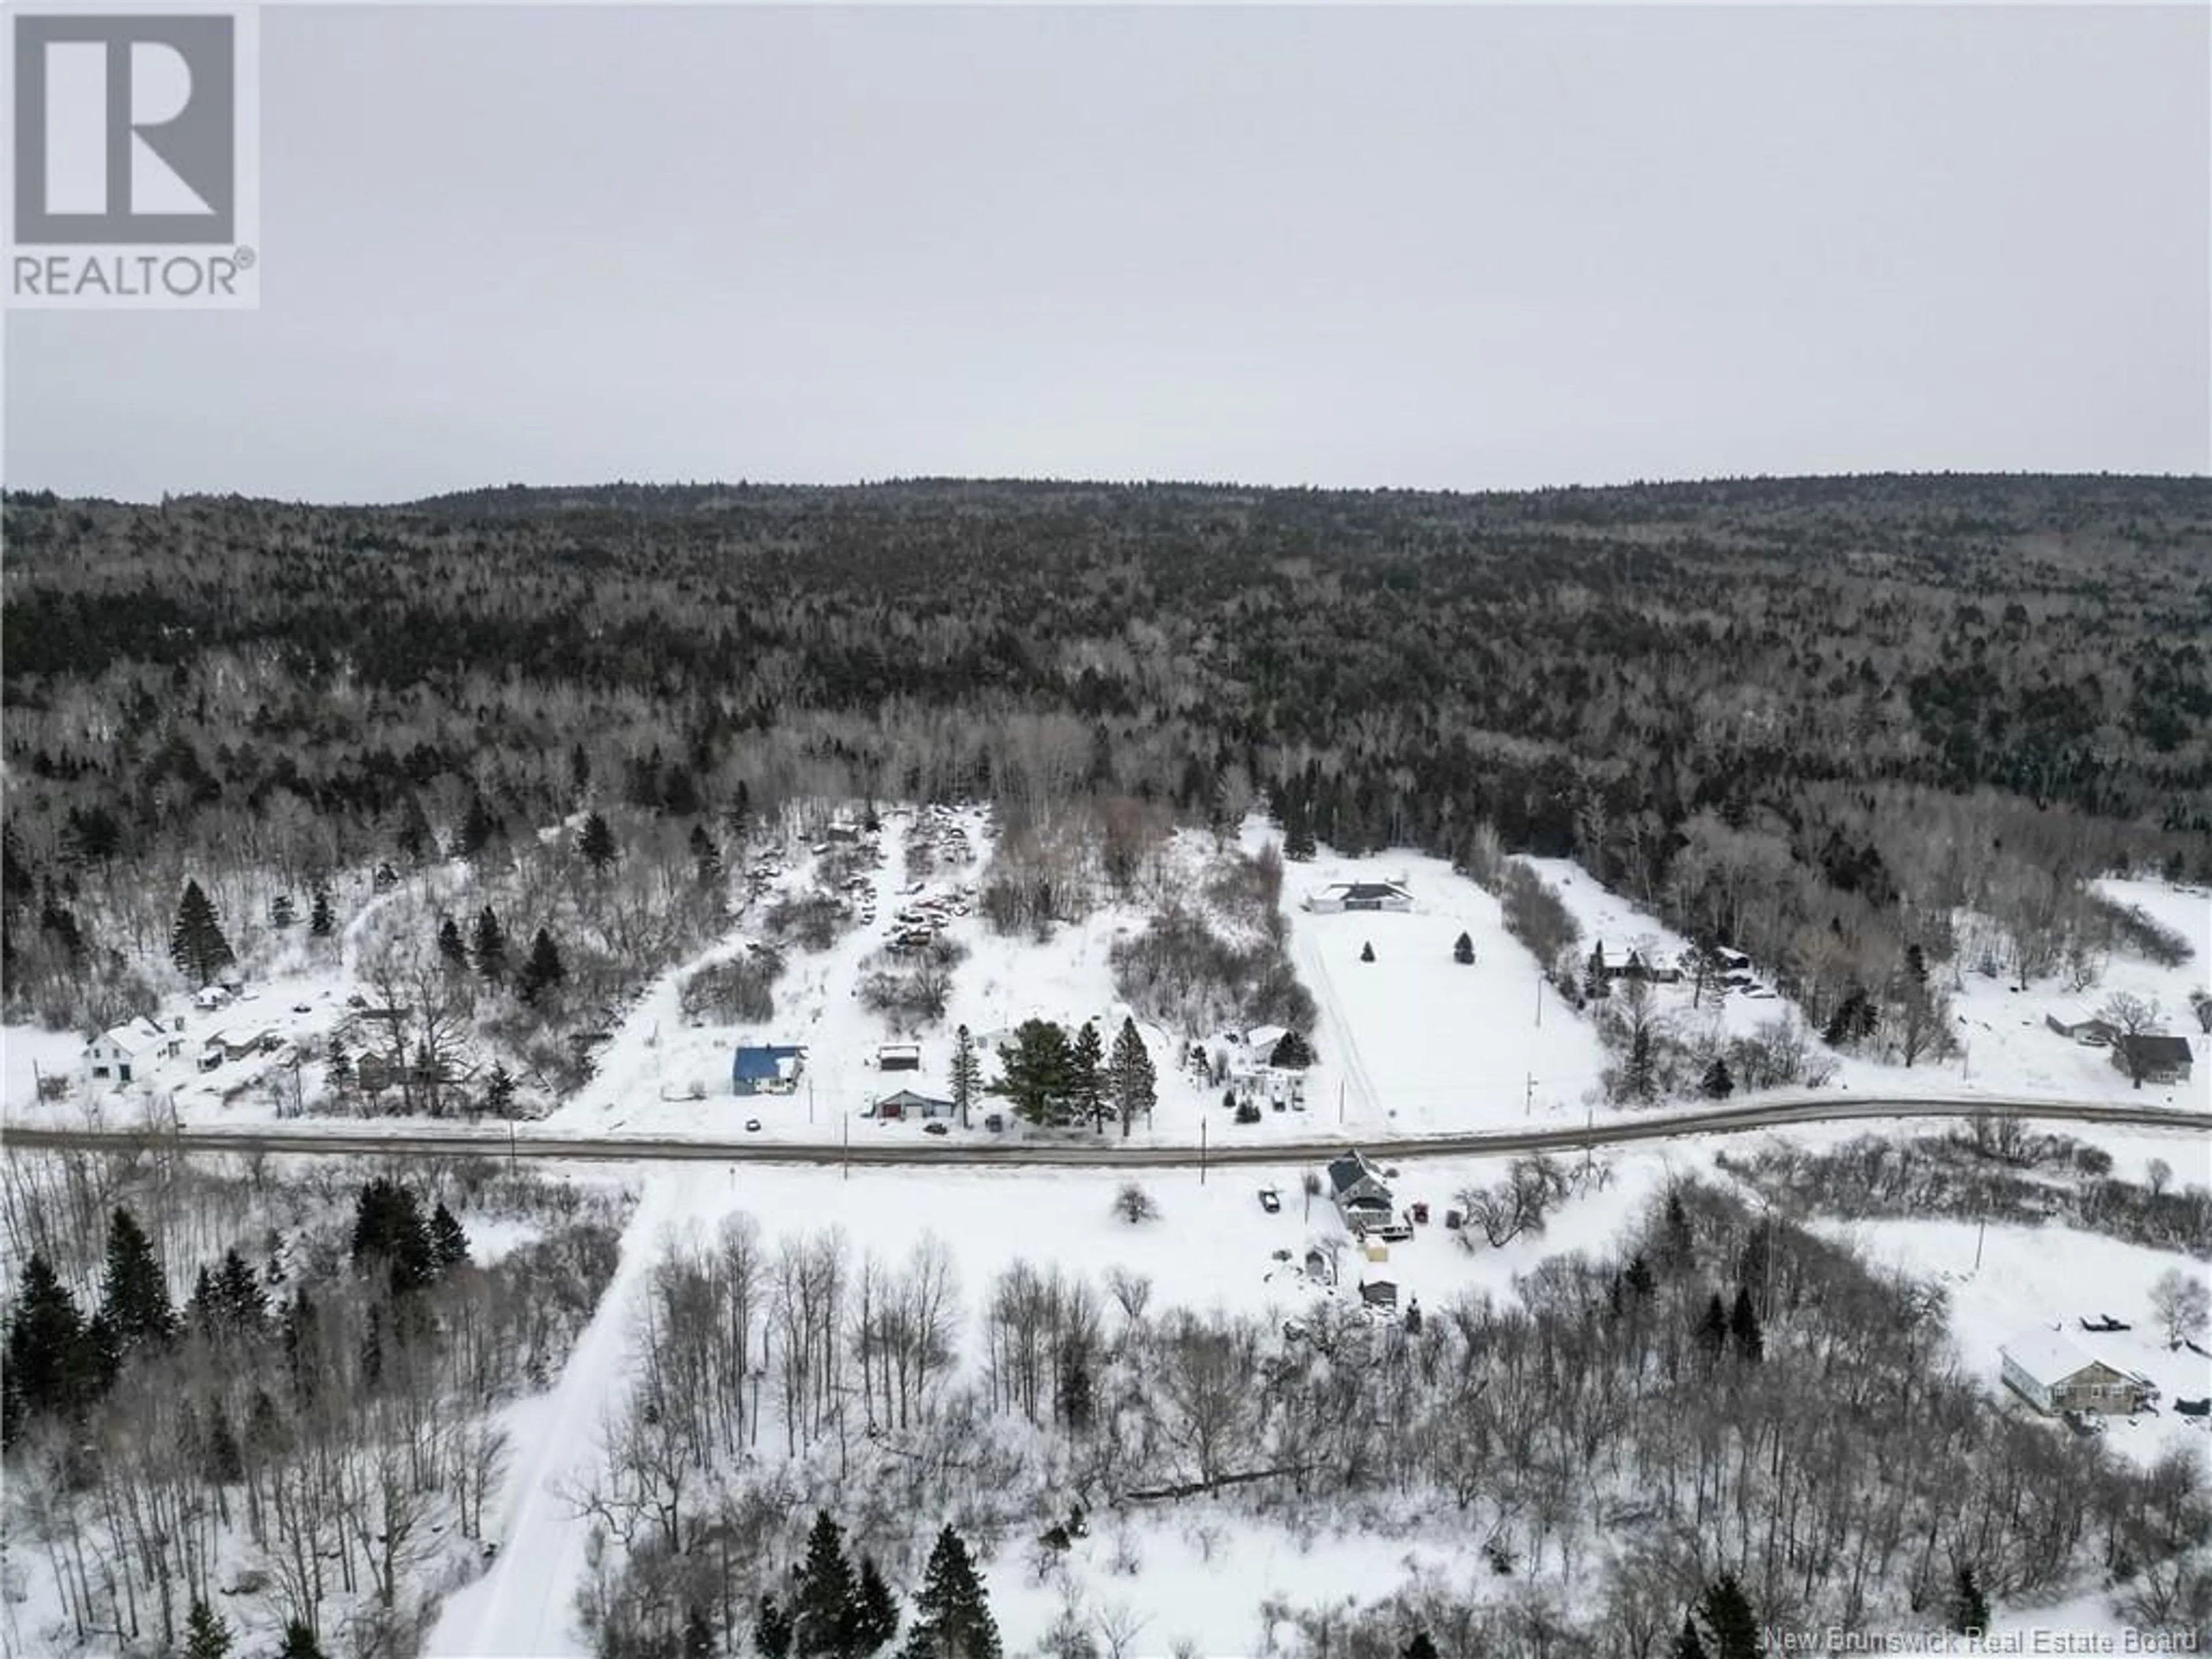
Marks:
<point>1759,706</point>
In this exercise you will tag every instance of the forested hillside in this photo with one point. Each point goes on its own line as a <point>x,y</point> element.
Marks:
<point>1770,708</point>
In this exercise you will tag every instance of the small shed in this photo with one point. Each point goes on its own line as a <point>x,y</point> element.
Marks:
<point>1342,895</point>
<point>1379,1293</point>
<point>899,1057</point>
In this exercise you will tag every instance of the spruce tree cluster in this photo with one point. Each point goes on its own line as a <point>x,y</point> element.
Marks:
<point>951,1614</point>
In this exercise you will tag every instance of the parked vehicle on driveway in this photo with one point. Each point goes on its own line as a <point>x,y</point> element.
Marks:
<point>1270,1199</point>
<point>935,1129</point>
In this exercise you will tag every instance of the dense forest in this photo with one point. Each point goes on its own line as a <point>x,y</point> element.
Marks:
<point>1811,718</point>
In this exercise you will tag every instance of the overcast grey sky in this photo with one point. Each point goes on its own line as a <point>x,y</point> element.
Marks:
<point>1451,248</point>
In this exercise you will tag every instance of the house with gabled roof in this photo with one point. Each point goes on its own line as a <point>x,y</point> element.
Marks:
<point>770,1069</point>
<point>130,1053</point>
<point>2053,1376</point>
<point>1341,896</point>
<point>1356,1188</point>
<point>2155,1059</point>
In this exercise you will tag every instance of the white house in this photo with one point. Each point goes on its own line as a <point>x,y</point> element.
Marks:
<point>1341,896</point>
<point>1356,1188</point>
<point>2052,1374</point>
<point>209,998</point>
<point>130,1053</point>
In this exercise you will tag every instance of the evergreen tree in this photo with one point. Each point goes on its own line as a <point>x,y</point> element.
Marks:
<point>706,857</point>
<point>223,1462</point>
<point>1292,1053</point>
<point>698,1633</point>
<point>338,1073</point>
<point>1420,1647</point>
<point>596,843</point>
<point>390,1234</point>
<point>1970,1608</point>
<point>452,949</point>
<point>300,1641</point>
<point>1719,1084</point>
<point>876,1614</point>
<point>1916,966</point>
<point>952,1620</point>
<point>1641,1073</point>
<point>1135,1080</point>
<point>1086,1076</point>
<point>1595,983</point>
<point>543,972</point>
<point>824,1598</point>
<point>967,1074</point>
<point>498,1091</point>
<point>1638,1278</point>
<point>1463,954</point>
<point>1035,1076</point>
<point>1689,1644</point>
<point>1678,1247</point>
<point>134,1291</point>
<point>477,827</point>
<point>772,1630</point>
<point>322,919</point>
<point>1367,951</point>
<point>48,1366</point>
<point>488,947</point>
<point>449,1240</point>
<point>196,942</point>
<point>1743,1329</point>
<point>1713,1327</point>
<point>1729,1620</point>
<point>206,1635</point>
<point>229,1302</point>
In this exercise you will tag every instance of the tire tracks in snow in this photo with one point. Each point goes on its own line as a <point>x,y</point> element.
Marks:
<point>525,1607</point>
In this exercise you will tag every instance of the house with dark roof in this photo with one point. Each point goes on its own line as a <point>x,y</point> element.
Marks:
<point>2153,1058</point>
<point>1341,896</point>
<point>1356,1188</point>
<point>766,1069</point>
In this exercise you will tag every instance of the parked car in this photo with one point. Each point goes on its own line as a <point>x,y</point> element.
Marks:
<point>752,1126</point>
<point>1270,1199</point>
<point>995,1122</point>
<point>935,1129</point>
<point>301,1008</point>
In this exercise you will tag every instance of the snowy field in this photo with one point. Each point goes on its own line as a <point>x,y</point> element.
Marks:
<point>1213,1246</point>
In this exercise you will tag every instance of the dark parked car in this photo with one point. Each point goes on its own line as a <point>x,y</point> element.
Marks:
<point>1270,1199</point>
<point>935,1129</point>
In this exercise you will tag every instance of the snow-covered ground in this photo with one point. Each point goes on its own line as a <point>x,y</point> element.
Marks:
<point>1410,1042</point>
<point>2023,1284</point>
<point>1212,1245</point>
<point>2005,1047</point>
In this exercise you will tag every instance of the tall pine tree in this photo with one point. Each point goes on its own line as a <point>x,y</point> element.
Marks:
<point>49,1367</point>
<point>543,973</point>
<point>196,942</point>
<point>952,1619</point>
<point>967,1074</point>
<point>1729,1620</point>
<point>134,1291</point>
<point>1133,1079</point>
<point>1086,1076</point>
<point>875,1611</point>
<point>206,1635</point>
<point>826,1597</point>
<point>488,947</point>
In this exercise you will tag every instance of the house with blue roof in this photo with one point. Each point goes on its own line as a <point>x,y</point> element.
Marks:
<point>770,1069</point>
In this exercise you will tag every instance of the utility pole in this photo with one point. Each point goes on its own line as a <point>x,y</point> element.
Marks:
<point>1201,1151</point>
<point>1540,1000</point>
<point>1980,1231</point>
<point>1529,1105</point>
<point>1340,1102</point>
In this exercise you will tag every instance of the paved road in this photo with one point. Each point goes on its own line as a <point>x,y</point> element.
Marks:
<point>338,1139</point>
